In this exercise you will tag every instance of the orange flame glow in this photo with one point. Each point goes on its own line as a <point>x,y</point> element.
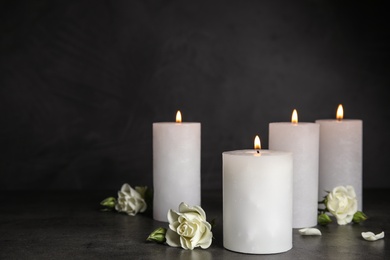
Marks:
<point>294,117</point>
<point>257,142</point>
<point>340,113</point>
<point>178,117</point>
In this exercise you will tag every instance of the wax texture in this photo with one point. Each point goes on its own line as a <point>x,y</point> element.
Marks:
<point>302,139</point>
<point>176,166</point>
<point>341,156</point>
<point>257,201</point>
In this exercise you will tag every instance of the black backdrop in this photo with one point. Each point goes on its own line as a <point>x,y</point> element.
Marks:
<point>82,82</point>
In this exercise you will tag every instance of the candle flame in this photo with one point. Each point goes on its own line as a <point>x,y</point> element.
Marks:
<point>257,142</point>
<point>178,117</point>
<point>294,117</point>
<point>340,113</point>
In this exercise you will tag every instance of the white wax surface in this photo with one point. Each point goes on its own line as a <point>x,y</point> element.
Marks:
<point>341,151</point>
<point>257,201</point>
<point>302,140</point>
<point>176,166</point>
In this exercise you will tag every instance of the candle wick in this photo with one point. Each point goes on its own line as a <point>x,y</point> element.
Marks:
<point>258,151</point>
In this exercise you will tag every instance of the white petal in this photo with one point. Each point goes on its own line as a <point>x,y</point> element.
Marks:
<point>172,216</point>
<point>206,239</point>
<point>125,188</point>
<point>183,207</point>
<point>186,243</point>
<point>172,238</point>
<point>342,220</point>
<point>369,236</point>
<point>351,191</point>
<point>310,232</point>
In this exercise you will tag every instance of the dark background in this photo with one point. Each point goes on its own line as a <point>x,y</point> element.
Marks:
<point>82,82</point>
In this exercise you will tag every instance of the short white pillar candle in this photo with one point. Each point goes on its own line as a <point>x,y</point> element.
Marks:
<point>176,166</point>
<point>341,155</point>
<point>302,139</point>
<point>257,201</point>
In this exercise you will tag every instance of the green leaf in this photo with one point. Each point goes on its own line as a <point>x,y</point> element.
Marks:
<point>323,219</point>
<point>108,202</point>
<point>158,235</point>
<point>359,216</point>
<point>326,201</point>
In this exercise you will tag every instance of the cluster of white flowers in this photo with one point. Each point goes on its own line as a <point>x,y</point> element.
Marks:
<point>188,228</point>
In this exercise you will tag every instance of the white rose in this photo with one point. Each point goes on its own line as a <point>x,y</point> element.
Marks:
<point>188,228</point>
<point>130,201</point>
<point>342,203</point>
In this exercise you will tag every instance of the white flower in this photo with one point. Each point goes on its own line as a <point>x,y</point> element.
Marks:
<point>188,228</point>
<point>372,237</point>
<point>342,203</point>
<point>130,201</point>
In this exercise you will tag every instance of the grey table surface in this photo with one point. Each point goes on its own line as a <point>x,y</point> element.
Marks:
<point>69,224</point>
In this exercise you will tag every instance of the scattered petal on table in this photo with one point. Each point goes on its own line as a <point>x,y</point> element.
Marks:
<point>310,232</point>
<point>369,236</point>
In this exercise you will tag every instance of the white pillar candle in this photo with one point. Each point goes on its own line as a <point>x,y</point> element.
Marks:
<point>176,166</point>
<point>257,201</point>
<point>341,151</point>
<point>302,139</point>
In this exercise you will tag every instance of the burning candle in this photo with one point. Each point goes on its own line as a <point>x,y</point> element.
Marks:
<point>302,139</point>
<point>176,165</point>
<point>257,200</point>
<point>341,152</point>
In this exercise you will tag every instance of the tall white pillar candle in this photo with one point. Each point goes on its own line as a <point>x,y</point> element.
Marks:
<point>302,139</point>
<point>257,201</point>
<point>176,166</point>
<point>341,152</point>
